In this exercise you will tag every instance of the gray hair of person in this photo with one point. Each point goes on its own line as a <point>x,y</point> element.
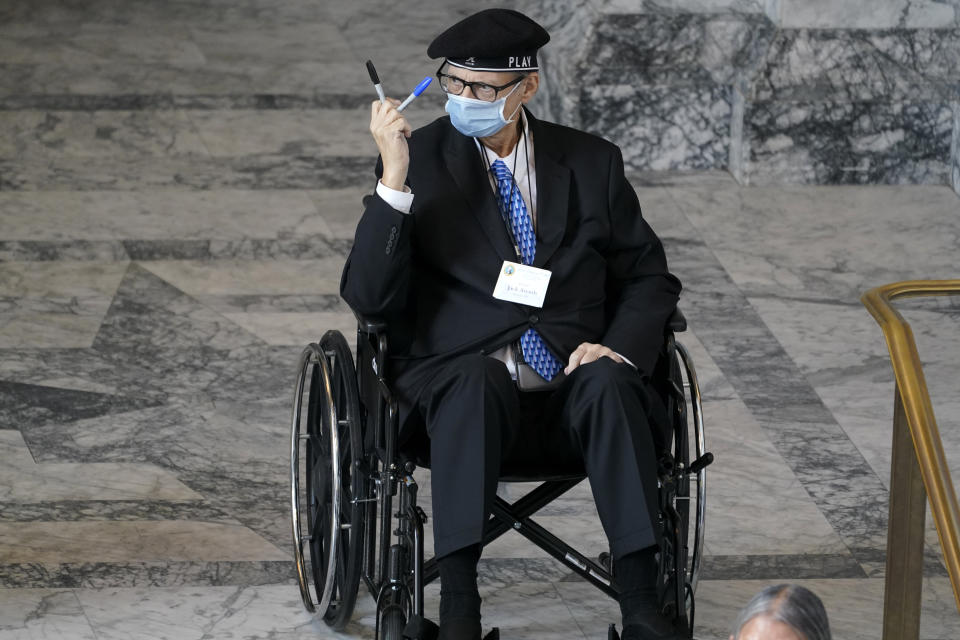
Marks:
<point>793,605</point>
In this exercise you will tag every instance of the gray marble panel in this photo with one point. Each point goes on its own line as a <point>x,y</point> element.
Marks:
<point>878,14</point>
<point>781,567</point>
<point>341,208</point>
<point>276,303</point>
<point>848,142</point>
<point>676,48</point>
<point>250,42</point>
<point>805,65</point>
<point>27,404</point>
<point>662,128</point>
<point>227,613</point>
<point>163,214</point>
<point>80,369</point>
<point>571,26</point>
<point>116,134</point>
<point>313,132</point>
<point>71,250</point>
<point>824,243</point>
<point>678,6</point>
<point>114,510</point>
<point>874,560</point>
<point>99,575</point>
<point>503,572</point>
<point>397,47</point>
<point>171,331</point>
<point>509,609</point>
<point>323,98</point>
<point>178,13</point>
<point>43,613</point>
<point>94,44</point>
<point>794,417</point>
<point>309,247</point>
<point>188,172</point>
<point>231,457</point>
<point>215,78</point>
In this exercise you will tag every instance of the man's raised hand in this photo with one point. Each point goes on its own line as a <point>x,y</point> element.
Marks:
<point>390,131</point>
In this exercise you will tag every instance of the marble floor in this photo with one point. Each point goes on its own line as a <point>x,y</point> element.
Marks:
<point>179,183</point>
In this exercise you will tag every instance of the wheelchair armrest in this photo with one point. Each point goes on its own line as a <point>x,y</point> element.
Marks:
<point>371,325</point>
<point>677,323</point>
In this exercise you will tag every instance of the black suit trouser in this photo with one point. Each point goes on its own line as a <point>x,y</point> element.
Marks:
<point>599,419</point>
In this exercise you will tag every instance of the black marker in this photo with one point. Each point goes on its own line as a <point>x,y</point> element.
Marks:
<point>376,81</point>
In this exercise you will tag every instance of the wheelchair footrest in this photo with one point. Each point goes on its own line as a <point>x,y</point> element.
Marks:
<point>419,628</point>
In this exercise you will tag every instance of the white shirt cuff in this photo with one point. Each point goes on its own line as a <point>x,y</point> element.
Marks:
<point>402,201</point>
<point>626,360</point>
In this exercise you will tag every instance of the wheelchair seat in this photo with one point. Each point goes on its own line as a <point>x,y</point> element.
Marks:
<point>354,509</point>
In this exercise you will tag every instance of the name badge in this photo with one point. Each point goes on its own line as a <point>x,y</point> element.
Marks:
<point>521,283</point>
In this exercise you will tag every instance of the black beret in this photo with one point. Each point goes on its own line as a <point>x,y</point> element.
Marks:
<point>491,40</point>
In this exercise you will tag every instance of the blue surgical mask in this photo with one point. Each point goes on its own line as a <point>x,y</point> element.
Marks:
<point>478,118</point>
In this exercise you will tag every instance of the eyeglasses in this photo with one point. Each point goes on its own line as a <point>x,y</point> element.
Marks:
<point>482,90</point>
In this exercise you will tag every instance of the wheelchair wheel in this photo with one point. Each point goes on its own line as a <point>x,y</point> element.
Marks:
<point>328,555</point>
<point>683,494</point>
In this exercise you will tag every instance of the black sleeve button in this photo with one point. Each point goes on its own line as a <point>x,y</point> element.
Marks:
<point>534,319</point>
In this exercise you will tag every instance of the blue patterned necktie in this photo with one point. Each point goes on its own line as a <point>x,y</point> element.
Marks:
<point>535,352</point>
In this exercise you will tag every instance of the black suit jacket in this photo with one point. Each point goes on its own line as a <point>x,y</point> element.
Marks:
<point>431,273</point>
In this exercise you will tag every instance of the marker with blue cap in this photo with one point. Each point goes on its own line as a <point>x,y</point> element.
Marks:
<point>420,88</point>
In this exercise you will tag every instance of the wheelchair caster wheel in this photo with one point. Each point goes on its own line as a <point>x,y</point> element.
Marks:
<point>391,624</point>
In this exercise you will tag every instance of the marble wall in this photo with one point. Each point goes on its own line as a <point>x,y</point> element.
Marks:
<point>773,91</point>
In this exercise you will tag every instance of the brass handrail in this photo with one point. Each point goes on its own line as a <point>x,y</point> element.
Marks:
<point>914,422</point>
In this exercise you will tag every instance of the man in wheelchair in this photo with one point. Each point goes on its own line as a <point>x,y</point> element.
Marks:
<point>526,301</point>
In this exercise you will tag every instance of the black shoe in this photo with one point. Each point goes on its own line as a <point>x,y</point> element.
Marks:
<point>653,627</point>
<point>460,629</point>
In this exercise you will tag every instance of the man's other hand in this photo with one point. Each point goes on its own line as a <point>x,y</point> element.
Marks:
<point>390,131</point>
<point>588,352</point>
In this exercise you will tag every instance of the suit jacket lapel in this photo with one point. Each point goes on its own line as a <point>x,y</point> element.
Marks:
<point>466,167</point>
<point>553,191</point>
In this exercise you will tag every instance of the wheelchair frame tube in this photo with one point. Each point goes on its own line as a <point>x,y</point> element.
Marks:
<point>586,568</point>
<point>524,507</point>
<point>386,478</point>
<point>365,355</point>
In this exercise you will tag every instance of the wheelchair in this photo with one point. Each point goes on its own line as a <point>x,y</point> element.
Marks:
<point>353,498</point>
